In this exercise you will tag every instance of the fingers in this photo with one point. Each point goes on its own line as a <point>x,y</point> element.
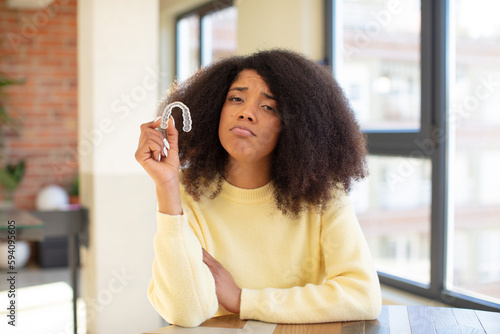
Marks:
<point>207,258</point>
<point>162,150</point>
<point>152,144</point>
<point>172,135</point>
<point>151,125</point>
<point>156,122</point>
<point>212,263</point>
<point>171,141</point>
<point>228,292</point>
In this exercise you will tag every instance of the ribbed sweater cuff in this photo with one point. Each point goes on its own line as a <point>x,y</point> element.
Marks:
<point>249,305</point>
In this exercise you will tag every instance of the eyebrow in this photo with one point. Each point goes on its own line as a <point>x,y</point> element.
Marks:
<point>242,89</point>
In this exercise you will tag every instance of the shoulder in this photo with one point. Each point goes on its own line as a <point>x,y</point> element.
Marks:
<point>339,200</point>
<point>339,211</point>
<point>187,199</point>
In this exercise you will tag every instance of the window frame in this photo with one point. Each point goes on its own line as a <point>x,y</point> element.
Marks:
<point>201,12</point>
<point>435,78</point>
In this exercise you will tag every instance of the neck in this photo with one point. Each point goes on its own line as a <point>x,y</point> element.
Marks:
<point>248,175</point>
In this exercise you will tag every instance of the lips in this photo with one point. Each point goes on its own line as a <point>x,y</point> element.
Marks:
<point>242,131</point>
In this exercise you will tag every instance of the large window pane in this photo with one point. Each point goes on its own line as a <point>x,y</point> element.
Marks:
<point>393,208</point>
<point>219,34</point>
<point>204,36</point>
<point>379,67</point>
<point>474,116</point>
<point>188,46</point>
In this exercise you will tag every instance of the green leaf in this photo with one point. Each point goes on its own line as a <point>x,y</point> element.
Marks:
<point>6,81</point>
<point>7,180</point>
<point>19,171</point>
<point>11,175</point>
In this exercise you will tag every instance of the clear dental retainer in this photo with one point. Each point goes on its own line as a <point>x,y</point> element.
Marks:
<point>186,115</point>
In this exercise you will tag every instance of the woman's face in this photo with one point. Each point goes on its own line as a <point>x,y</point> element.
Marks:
<point>249,123</point>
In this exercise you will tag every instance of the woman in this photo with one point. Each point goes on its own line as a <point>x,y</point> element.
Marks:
<point>258,221</point>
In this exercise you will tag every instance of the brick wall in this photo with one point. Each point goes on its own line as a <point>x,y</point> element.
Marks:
<point>39,46</point>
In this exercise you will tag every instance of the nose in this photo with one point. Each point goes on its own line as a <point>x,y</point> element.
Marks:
<point>248,113</point>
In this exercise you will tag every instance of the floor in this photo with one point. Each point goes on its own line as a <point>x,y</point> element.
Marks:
<point>43,302</point>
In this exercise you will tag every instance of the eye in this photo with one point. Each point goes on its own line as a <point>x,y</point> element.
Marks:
<point>235,99</point>
<point>270,108</point>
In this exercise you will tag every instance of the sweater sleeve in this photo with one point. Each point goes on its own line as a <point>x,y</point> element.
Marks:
<point>182,289</point>
<point>351,290</point>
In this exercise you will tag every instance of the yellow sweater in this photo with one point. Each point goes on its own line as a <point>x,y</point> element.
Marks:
<point>314,269</point>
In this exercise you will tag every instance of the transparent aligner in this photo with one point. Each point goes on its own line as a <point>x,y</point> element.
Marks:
<point>186,115</point>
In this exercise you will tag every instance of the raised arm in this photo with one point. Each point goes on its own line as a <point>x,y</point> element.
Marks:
<point>182,289</point>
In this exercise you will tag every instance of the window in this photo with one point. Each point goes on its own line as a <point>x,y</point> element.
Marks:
<point>424,82</point>
<point>397,226</point>
<point>474,232</point>
<point>188,46</point>
<point>204,35</point>
<point>380,58</point>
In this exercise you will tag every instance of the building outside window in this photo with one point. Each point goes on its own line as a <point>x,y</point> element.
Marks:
<point>475,149</point>
<point>423,78</point>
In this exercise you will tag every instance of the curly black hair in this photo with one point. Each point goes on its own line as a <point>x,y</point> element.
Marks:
<point>320,147</point>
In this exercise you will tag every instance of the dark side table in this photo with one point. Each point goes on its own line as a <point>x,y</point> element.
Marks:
<point>72,224</point>
<point>38,225</point>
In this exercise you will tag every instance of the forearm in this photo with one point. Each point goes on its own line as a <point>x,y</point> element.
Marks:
<point>169,199</point>
<point>182,289</point>
<point>344,299</point>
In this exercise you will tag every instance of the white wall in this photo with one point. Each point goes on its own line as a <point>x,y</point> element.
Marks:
<point>118,90</point>
<point>291,24</point>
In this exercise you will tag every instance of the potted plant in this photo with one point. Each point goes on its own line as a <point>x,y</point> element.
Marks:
<point>10,174</point>
<point>74,191</point>
<point>10,177</point>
